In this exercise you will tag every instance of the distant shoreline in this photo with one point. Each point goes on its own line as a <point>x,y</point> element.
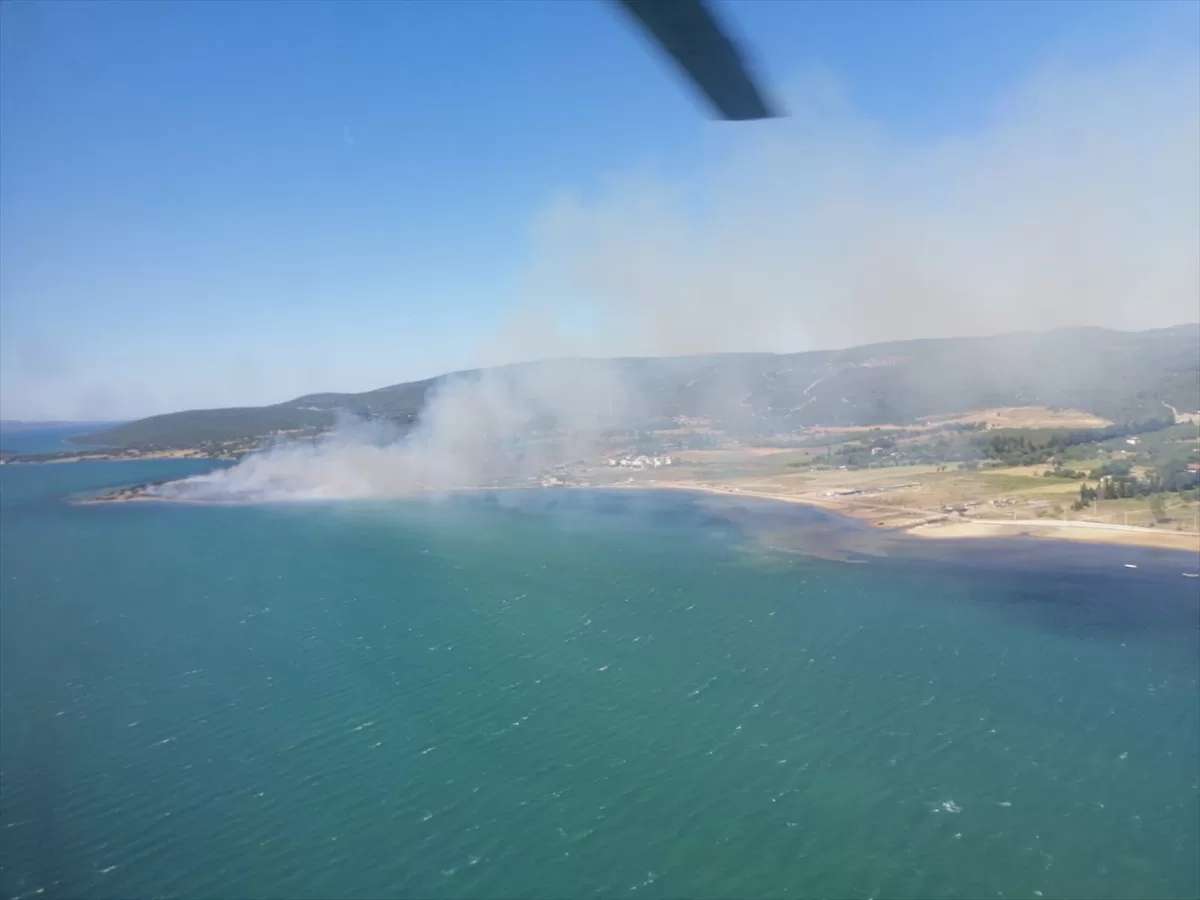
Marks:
<point>48,459</point>
<point>916,523</point>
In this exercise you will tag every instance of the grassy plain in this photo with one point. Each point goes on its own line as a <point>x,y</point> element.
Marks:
<point>940,501</point>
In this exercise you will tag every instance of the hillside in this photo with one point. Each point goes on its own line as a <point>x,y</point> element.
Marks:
<point>1119,376</point>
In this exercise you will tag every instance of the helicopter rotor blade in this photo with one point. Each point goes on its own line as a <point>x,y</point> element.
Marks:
<point>691,35</point>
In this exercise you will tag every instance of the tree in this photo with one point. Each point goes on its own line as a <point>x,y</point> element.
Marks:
<point>1158,508</point>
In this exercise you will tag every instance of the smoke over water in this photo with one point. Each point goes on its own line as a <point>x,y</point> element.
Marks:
<point>1076,203</point>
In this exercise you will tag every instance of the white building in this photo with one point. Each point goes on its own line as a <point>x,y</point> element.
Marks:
<point>640,462</point>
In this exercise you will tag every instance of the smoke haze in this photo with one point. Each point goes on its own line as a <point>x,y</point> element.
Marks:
<point>1078,203</point>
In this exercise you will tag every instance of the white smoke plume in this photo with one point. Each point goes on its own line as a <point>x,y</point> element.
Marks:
<point>1077,203</point>
<point>478,428</point>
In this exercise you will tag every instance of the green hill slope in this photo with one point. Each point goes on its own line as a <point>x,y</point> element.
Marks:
<point>1118,375</point>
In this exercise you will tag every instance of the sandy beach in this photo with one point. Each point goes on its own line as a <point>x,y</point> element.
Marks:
<point>1090,532</point>
<point>943,526</point>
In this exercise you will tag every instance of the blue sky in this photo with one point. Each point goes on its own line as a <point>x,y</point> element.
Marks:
<point>206,204</point>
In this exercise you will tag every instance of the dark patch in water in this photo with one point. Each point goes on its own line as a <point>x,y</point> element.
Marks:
<point>1062,586</point>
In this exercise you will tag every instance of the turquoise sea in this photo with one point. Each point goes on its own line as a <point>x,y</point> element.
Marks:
<point>45,439</point>
<point>571,694</point>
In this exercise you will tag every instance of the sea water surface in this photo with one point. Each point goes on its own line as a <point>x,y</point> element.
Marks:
<point>48,438</point>
<point>578,695</point>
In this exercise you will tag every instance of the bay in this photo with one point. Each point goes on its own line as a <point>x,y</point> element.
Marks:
<point>578,694</point>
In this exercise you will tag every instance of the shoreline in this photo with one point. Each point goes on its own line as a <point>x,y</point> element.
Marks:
<point>927,524</point>
<point>35,459</point>
<point>916,523</point>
